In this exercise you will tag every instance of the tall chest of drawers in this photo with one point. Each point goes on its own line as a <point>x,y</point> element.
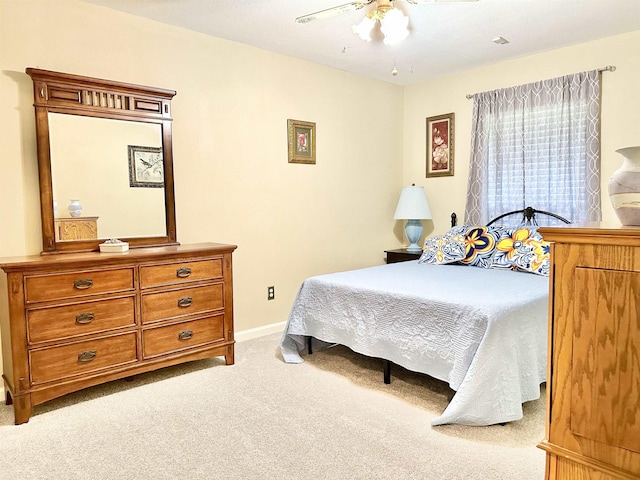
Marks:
<point>593,385</point>
<point>81,319</point>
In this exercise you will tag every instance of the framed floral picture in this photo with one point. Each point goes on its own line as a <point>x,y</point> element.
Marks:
<point>302,141</point>
<point>146,167</point>
<point>440,145</point>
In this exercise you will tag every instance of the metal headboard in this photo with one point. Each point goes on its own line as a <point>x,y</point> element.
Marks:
<point>529,216</point>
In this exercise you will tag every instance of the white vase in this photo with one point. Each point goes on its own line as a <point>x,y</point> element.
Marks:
<point>75,209</point>
<point>624,187</point>
<point>55,209</point>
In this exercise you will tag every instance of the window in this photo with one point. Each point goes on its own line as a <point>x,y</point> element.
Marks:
<point>537,145</point>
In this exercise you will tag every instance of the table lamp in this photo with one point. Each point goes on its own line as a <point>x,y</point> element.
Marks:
<point>413,207</point>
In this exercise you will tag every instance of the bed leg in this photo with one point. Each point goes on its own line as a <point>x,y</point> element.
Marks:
<point>309,349</point>
<point>387,372</point>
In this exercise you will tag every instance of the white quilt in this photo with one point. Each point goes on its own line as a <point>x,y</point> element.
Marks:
<point>483,331</point>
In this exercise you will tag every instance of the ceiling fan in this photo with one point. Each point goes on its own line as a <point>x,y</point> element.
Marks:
<point>392,22</point>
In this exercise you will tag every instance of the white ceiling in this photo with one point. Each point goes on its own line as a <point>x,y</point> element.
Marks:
<point>444,38</point>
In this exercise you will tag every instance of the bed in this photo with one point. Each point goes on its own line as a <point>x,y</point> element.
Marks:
<point>471,312</point>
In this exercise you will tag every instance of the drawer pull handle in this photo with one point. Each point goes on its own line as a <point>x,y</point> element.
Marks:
<point>185,335</point>
<point>87,356</point>
<point>183,272</point>
<point>185,302</point>
<point>84,318</point>
<point>83,283</point>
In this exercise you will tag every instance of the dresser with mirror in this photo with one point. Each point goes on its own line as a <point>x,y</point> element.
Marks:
<point>78,317</point>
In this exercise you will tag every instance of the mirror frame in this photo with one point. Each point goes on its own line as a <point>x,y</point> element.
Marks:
<point>56,92</point>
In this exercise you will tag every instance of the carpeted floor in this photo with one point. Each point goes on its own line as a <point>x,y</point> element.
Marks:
<point>330,417</point>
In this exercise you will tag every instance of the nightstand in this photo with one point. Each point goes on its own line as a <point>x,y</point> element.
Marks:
<point>401,255</point>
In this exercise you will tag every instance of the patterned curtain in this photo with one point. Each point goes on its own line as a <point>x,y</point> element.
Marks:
<point>537,145</point>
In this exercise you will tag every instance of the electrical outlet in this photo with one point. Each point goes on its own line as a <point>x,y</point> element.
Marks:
<point>271,293</point>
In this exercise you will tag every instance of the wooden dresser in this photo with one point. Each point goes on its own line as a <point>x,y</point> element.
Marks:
<point>81,319</point>
<point>593,388</point>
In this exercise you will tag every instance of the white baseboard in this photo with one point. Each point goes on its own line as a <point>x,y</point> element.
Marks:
<point>259,331</point>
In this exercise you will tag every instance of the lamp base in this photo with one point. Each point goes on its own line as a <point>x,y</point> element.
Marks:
<point>413,231</point>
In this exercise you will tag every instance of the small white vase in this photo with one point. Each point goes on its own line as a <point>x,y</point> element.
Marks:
<point>75,209</point>
<point>624,187</point>
<point>55,209</point>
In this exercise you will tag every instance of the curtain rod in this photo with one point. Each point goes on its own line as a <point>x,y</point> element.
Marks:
<point>608,68</point>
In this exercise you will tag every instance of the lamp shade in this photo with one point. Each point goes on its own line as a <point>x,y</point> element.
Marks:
<point>413,204</point>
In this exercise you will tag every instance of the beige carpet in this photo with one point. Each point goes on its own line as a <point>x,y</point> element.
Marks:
<point>331,417</point>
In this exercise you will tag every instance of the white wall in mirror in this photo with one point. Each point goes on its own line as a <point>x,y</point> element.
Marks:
<point>90,162</point>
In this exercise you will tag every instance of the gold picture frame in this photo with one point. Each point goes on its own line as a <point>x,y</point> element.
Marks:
<point>301,141</point>
<point>440,145</point>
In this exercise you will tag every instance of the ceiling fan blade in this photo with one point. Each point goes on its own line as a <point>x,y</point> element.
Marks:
<point>330,12</point>
<point>421,2</point>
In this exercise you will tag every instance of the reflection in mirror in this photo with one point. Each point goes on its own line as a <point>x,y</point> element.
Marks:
<point>90,163</point>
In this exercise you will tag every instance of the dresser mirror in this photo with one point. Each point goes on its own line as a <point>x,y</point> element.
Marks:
<point>107,145</point>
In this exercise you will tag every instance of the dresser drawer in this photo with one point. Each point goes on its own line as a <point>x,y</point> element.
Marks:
<point>57,286</point>
<point>55,323</point>
<point>55,363</point>
<point>186,301</point>
<point>172,338</point>
<point>173,273</point>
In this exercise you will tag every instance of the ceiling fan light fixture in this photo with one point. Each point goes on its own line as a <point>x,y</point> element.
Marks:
<point>363,29</point>
<point>394,27</point>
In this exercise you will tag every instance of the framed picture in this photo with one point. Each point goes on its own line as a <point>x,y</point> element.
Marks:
<point>146,167</point>
<point>302,141</point>
<point>440,143</point>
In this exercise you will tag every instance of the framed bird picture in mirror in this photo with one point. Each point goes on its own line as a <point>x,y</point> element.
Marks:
<point>146,167</point>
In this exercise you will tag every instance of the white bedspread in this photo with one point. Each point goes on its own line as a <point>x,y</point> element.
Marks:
<point>483,331</point>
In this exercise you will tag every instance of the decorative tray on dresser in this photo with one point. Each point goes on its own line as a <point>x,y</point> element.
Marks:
<point>593,384</point>
<point>82,319</point>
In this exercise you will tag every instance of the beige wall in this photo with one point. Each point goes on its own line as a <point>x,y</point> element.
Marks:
<point>620,112</point>
<point>233,181</point>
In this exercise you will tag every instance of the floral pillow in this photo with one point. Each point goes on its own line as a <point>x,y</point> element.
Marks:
<point>533,230</point>
<point>480,242</point>
<point>523,252</point>
<point>446,248</point>
<point>496,246</point>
